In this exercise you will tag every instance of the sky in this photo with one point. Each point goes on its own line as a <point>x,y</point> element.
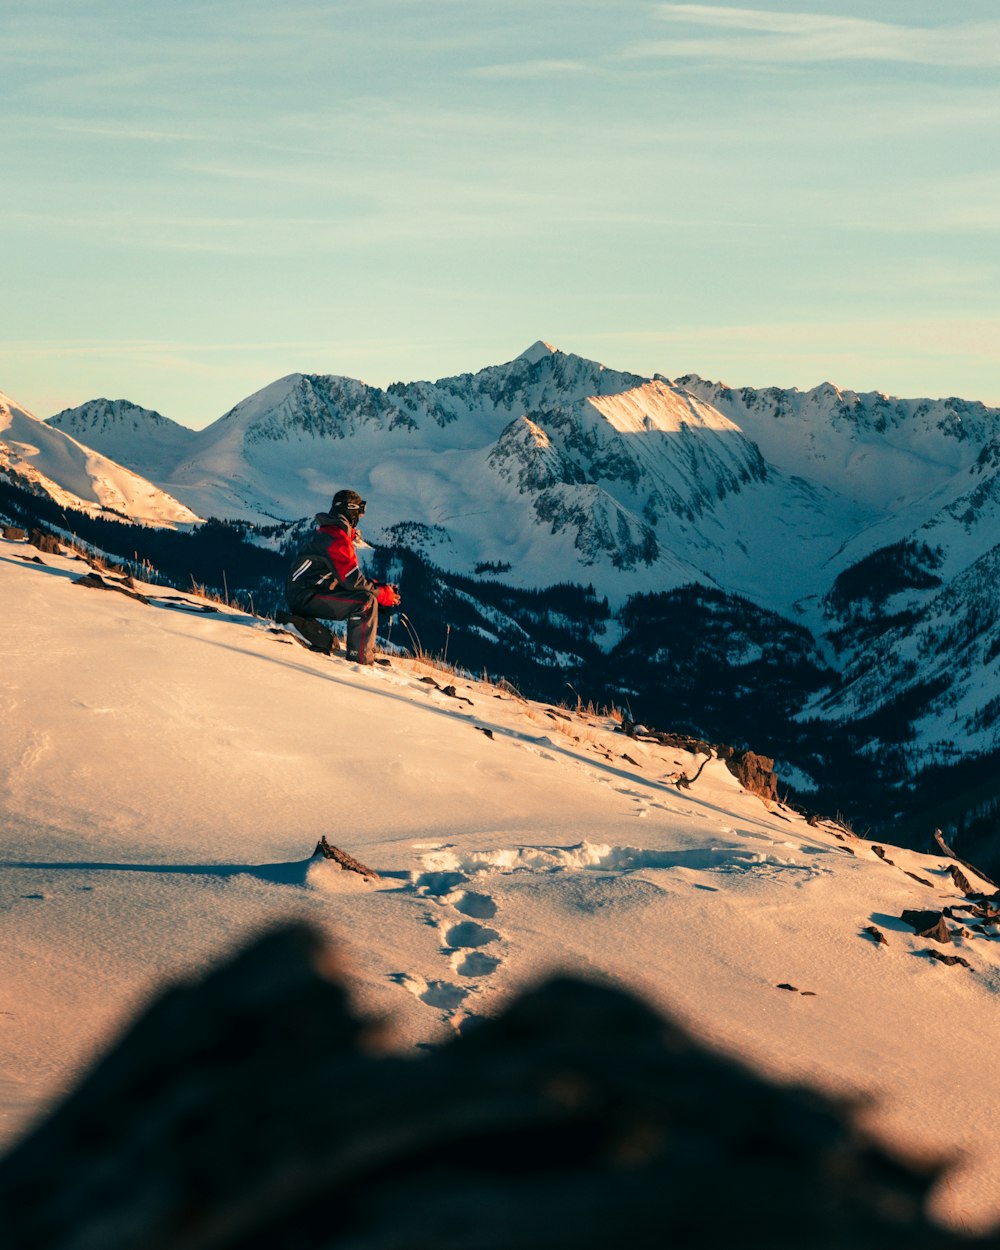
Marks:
<point>201,197</point>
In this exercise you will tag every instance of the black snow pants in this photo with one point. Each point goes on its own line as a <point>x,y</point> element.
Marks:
<point>359,608</point>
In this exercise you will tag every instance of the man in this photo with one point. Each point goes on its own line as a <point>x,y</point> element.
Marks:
<point>325,581</point>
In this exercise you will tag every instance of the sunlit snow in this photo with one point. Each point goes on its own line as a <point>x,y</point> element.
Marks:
<point>165,775</point>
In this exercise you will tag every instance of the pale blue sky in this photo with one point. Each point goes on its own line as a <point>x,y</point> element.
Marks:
<point>203,195</point>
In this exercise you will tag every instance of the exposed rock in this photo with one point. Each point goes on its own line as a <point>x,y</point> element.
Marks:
<point>251,1111</point>
<point>450,691</point>
<point>45,542</point>
<point>960,879</point>
<point>948,959</point>
<point>928,924</point>
<point>876,933</point>
<point>13,533</point>
<point>945,849</point>
<point>683,742</point>
<point>347,862</point>
<point>755,773</point>
<point>97,582</point>
<point>985,912</point>
<point>920,880</point>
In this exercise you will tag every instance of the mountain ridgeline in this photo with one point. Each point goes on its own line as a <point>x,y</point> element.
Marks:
<point>811,574</point>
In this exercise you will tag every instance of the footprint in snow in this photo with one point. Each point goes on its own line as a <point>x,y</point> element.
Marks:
<point>438,884</point>
<point>444,995</point>
<point>469,1022</point>
<point>462,940</point>
<point>471,903</point>
<point>469,934</point>
<point>474,963</point>
<point>441,994</point>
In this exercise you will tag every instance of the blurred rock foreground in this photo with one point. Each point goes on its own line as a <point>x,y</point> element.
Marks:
<point>254,1109</point>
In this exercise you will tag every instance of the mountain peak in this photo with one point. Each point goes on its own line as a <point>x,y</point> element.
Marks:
<point>537,351</point>
<point>110,413</point>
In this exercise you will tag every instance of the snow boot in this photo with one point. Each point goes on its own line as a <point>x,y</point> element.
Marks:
<point>310,632</point>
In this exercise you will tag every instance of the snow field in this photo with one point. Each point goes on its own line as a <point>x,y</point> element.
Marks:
<point>164,777</point>
<point>77,477</point>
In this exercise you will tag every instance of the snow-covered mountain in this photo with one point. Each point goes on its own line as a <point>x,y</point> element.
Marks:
<point>567,470</point>
<point>884,452</point>
<point>51,462</point>
<point>554,465</point>
<point>138,437</point>
<point>925,469</point>
<point>511,839</point>
<point>866,523</point>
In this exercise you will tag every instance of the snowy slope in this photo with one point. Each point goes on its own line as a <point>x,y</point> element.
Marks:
<point>922,468</point>
<point>881,450</point>
<point>165,774</point>
<point>52,462</point>
<point>149,443</point>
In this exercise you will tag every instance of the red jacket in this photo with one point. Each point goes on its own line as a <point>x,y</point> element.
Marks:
<point>328,561</point>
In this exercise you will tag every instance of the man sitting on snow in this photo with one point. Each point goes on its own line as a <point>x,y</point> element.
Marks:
<point>326,582</point>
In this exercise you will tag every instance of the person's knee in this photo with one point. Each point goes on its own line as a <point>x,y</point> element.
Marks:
<point>367,607</point>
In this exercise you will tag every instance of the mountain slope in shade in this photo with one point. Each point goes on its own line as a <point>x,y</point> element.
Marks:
<point>922,468</point>
<point>49,461</point>
<point>883,451</point>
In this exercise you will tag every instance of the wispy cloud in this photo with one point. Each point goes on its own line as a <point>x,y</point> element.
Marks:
<point>126,132</point>
<point>531,69</point>
<point>762,35</point>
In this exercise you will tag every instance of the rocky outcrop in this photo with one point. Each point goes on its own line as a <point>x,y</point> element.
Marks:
<point>347,862</point>
<point>96,582</point>
<point>755,773</point>
<point>929,924</point>
<point>45,541</point>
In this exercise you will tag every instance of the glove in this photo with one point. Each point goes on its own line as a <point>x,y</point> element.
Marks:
<point>387,596</point>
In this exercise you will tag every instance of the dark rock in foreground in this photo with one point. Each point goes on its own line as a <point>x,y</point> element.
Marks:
<point>929,924</point>
<point>255,1110</point>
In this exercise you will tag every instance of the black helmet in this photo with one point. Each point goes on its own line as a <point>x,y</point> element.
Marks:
<point>348,503</point>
